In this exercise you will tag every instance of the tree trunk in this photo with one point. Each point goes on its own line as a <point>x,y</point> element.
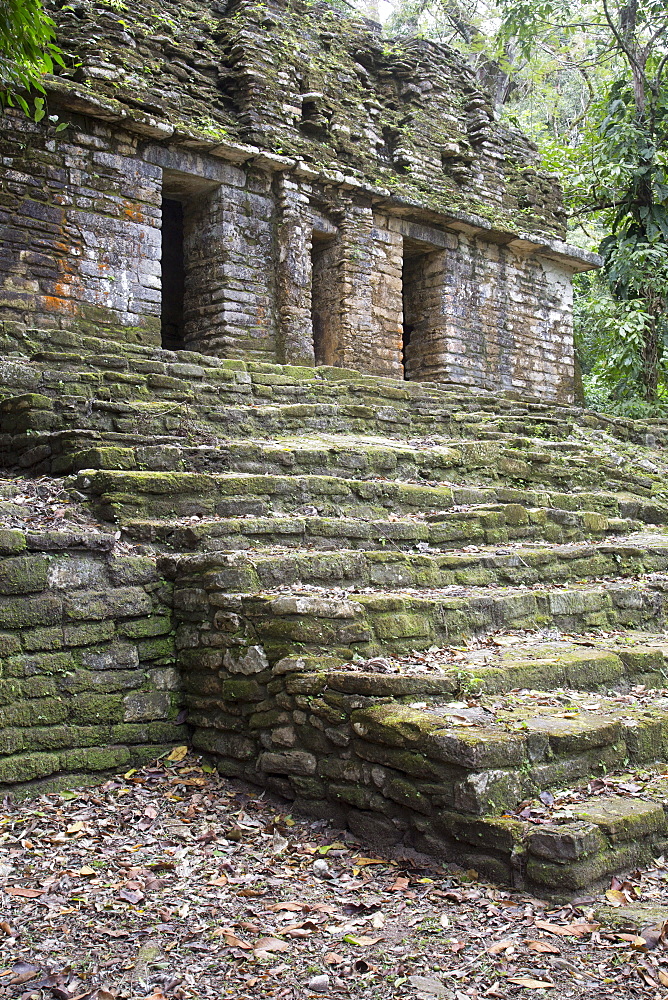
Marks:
<point>650,354</point>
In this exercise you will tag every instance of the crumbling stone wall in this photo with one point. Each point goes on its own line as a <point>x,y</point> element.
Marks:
<point>307,81</point>
<point>383,222</point>
<point>87,676</point>
<point>80,225</point>
<point>484,314</point>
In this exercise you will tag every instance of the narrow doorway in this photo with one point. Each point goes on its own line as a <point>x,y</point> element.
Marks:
<point>173,275</point>
<point>324,299</point>
<point>420,307</point>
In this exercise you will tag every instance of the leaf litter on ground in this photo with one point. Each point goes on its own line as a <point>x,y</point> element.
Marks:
<point>165,882</point>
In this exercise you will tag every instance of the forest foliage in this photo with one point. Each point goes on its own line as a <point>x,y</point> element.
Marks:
<point>28,50</point>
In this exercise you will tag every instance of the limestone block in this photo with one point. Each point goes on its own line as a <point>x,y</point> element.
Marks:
<point>297,762</point>
<point>142,706</point>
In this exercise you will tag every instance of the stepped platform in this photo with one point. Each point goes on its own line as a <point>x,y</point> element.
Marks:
<point>437,615</point>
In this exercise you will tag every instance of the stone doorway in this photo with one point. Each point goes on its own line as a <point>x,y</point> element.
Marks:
<point>325,305</point>
<point>186,239</point>
<point>421,307</point>
<point>172,275</point>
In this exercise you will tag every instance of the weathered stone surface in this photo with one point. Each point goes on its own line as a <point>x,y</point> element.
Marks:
<point>565,843</point>
<point>289,762</point>
<point>624,819</point>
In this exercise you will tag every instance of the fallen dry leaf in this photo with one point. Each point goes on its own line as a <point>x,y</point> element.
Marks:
<point>531,984</point>
<point>271,944</point>
<point>363,862</point>
<point>543,947</point>
<point>616,898</point>
<point>231,939</point>
<point>566,930</point>
<point>17,890</point>
<point>499,947</point>
<point>220,881</point>
<point>399,885</point>
<point>362,940</point>
<point>131,896</point>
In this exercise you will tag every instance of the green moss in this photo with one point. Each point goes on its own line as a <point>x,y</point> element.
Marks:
<point>241,690</point>
<point>89,707</point>
<point>94,758</point>
<point>624,819</point>
<point>12,541</point>
<point>26,767</point>
<point>104,458</point>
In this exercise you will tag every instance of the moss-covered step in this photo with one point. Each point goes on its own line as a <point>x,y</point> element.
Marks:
<point>345,455</point>
<point>522,565</point>
<point>482,525</point>
<point>604,836</point>
<point>447,459</point>
<point>63,353</point>
<point>235,404</point>
<point>122,496</point>
<point>497,757</point>
<point>513,661</point>
<point>315,620</point>
<point>451,779</point>
<point>71,433</point>
<point>74,433</point>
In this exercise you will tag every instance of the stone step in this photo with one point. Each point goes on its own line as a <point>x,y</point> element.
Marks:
<point>483,525</point>
<point>342,455</point>
<point>226,384</point>
<point>464,460</point>
<point>34,428</point>
<point>523,565</point>
<point>453,778</point>
<point>475,462</point>
<point>308,620</point>
<point>202,380</point>
<point>123,496</point>
<point>68,355</point>
<point>88,366</point>
<point>491,665</point>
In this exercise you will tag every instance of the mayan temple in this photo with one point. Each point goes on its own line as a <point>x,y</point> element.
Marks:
<point>286,317</point>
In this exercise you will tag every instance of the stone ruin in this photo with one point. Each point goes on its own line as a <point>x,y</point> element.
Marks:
<point>287,312</point>
<point>281,184</point>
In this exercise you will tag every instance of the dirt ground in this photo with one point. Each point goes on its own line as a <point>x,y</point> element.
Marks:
<point>171,882</point>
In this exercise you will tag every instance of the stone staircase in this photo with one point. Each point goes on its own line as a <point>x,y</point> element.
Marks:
<point>431,613</point>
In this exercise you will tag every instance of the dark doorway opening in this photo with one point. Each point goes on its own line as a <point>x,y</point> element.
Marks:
<point>173,275</point>
<point>324,296</point>
<point>419,303</point>
<point>405,341</point>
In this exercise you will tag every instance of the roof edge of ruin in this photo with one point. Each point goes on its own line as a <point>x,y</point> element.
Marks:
<point>70,96</point>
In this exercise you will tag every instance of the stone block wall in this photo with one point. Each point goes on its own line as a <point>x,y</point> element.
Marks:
<point>276,266</point>
<point>87,676</point>
<point>488,315</point>
<point>80,229</point>
<point>229,263</point>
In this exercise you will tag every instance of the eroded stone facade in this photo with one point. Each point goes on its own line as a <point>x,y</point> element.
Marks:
<point>274,181</point>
